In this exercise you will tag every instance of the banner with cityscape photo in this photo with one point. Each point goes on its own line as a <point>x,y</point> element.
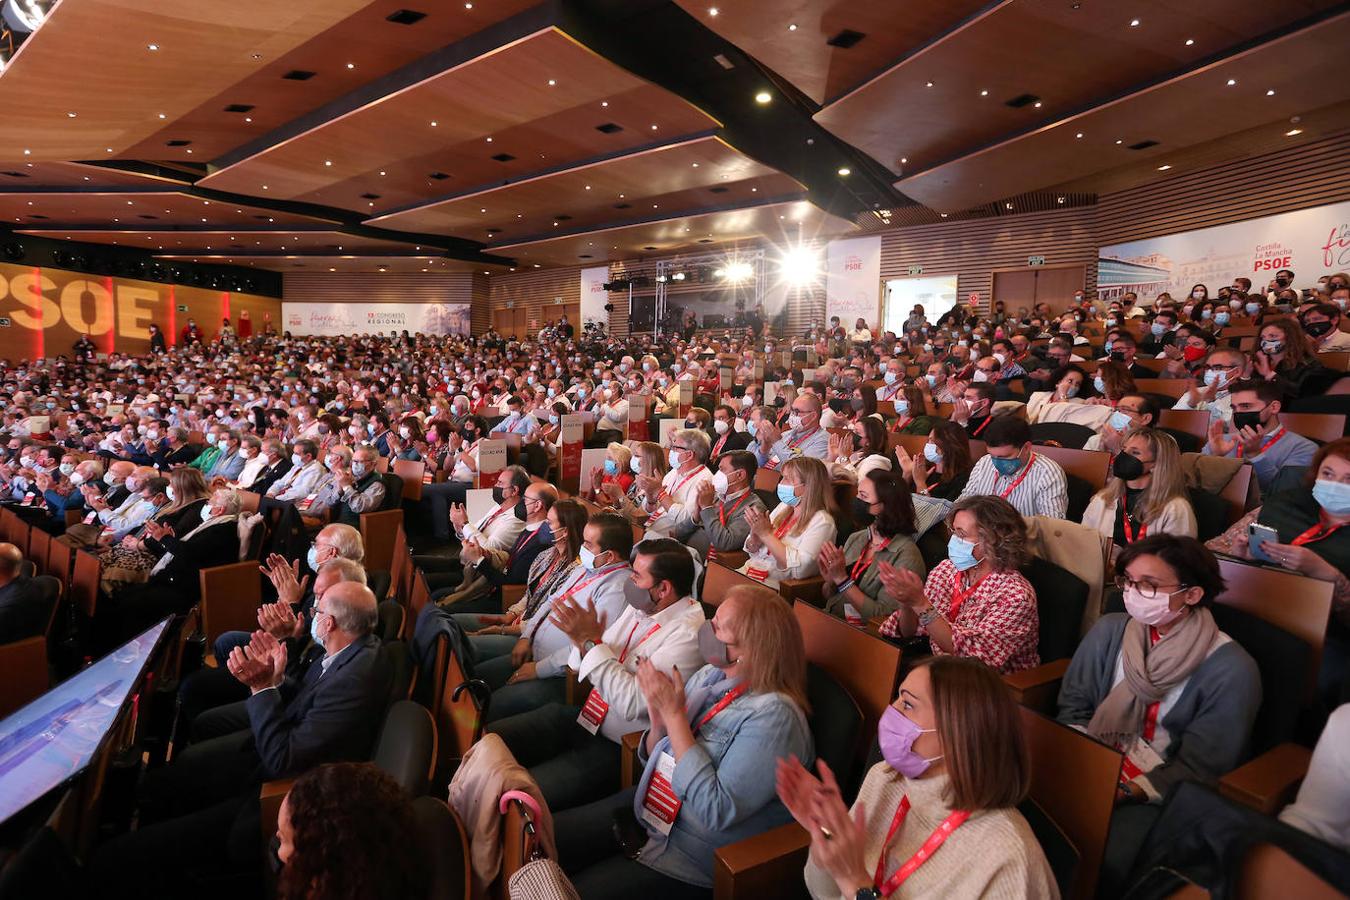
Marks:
<point>337,319</point>
<point>1311,242</point>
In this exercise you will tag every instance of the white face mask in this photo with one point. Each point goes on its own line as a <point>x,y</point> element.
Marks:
<point>719,483</point>
<point>720,426</point>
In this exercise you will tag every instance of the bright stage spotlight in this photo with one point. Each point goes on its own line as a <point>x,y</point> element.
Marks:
<point>800,265</point>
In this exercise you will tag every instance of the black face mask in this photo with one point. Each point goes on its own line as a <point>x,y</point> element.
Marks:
<point>693,425</point>
<point>1247,420</point>
<point>862,513</point>
<point>519,510</point>
<point>498,495</point>
<point>1317,329</point>
<point>1127,467</point>
<point>857,404</point>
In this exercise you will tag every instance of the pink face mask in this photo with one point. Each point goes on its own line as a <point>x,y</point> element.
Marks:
<point>1155,611</point>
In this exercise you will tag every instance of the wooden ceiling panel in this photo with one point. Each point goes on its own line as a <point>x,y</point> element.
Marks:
<point>687,175</point>
<point>93,58</point>
<point>951,97</point>
<point>28,176</point>
<point>241,241</point>
<point>803,55</point>
<point>1191,109</point>
<point>341,264</point>
<point>354,52</point>
<point>56,210</point>
<point>785,223</point>
<point>497,103</point>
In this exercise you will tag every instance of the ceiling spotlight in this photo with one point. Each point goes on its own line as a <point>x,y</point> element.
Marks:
<point>1164,168</point>
<point>984,93</point>
<point>1119,141</point>
<point>604,104</point>
<point>351,65</point>
<point>653,128</point>
<point>792,27</point>
<point>1036,105</point>
<point>70,115</point>
<point>1293,131</point>
<point>489,140</point>
<point>433,123</point>
<point>1134,23</point>
<point>152,47</point>
<point>928,84</point>
<point>1079,135</point>
<point>712,11</point>
<point>944,215</point>
<point>327,162</point>
<point>1270,93</point>
<point>845,171</point>
<point>162,116</point>
<point>1190,41</point>
<point>1232,81</point>
<point>903,160</point>
<point>763,97</point>
<point>552,82</point>
<point>1061,200</point>
<point>246,118</point>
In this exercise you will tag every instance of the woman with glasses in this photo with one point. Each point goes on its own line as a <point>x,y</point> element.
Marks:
<point>1162,684</point>
<point>1146,493</point>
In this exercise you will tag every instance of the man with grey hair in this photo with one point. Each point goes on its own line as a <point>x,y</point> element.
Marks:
<point>671,507</point>
<point>360,487</point>
<point>22,614</point>
<point>251,449</point>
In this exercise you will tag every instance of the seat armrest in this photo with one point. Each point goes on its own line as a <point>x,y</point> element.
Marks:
<point>576,690</point>
<point>511,595</point>
<point>808,590</point>
<point>732,559</point>
<point>630,770</point>
<point>769,864</point>
<point>1269,782</point>
<point>270,795</point>
<point>1038,688</point>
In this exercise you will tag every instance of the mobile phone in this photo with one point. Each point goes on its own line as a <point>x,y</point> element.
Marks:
<point>1257,538</point>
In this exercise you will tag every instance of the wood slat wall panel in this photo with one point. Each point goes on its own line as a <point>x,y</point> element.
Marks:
<point>1312,174</point>
<point>973,249</point>
<point>378,287</point>
<point>480,313</point>
<point>534,290</point>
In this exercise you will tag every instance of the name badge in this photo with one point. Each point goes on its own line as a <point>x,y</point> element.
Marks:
<point>307,502</point>
<point>593,712</point>
<point>89,519</point>
<point>660,806</point>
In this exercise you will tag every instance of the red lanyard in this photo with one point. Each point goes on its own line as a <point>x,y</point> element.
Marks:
<point>717,448</point>
<point>613,567</point>
<point>960,595</point>
<point>901,423</point>
<point>865,558</point>
<point>1151,714</point>
<point>1279,433</point>
<point>682,483</point>
<point>787,523</point>
<point>1012,487</point>
<point>722,513</point>
<point>727,699</point>
<point>793,445</point>
<point>930,846</point>
<point>1130,537</point>
<point>525,537</point>
<point>492,517</point>
<point>548,573</point>
<point>1318,532</point>
<point>982,426</point>
<point>624,654</point>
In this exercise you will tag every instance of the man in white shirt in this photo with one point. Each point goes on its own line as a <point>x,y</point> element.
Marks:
<point>497,529</point>
<point>254,461</point>
<point>303,478</point>
<point>670,502</point>
<point>573,751</point>
<point>1034,484</point>
<point>612,418</point>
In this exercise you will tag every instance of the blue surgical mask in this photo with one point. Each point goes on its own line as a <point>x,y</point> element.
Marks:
<point>962,553</point>
<point>1071,391</point>
<point>1107,347</point>
<point>902,407</point>
<point>1099,383</point>
<point>358,469</point>
<point>786,494</point>
<point>1222,317</point>
<point>932,380</point>
<point>1215,378</point>
<point>889,377</point>
<point>750,428</point>
<point>1007,467</point>
<point>1206,313</point>
<point>1333,496</point>
<point>312,559</point>
<point>611,467</point>
<point>587,558</point>
<point>1120,422</point>
<point>932,453</point>
<point>674,458</point>
<point>314,626</point>
<point>1158,329</point>
<point>297,459</point>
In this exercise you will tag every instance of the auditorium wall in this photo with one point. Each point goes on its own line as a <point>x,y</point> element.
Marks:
<point>43,311</point>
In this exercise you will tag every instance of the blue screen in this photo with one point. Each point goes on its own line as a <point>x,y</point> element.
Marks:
<point>57,735</point>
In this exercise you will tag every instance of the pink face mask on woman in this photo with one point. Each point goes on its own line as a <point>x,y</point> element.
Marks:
<point>1155,611</point>
<point>896,733</point>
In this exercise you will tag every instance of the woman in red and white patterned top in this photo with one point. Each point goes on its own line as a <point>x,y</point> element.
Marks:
<point>975,603</point>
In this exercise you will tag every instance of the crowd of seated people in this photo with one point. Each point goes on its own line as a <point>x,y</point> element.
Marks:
<point>915,486</point>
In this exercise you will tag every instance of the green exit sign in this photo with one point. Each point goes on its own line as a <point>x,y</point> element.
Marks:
<point>1035,260</point>
<point>182,307</point>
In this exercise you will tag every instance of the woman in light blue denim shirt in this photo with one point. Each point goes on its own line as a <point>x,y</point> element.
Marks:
<point>715,754</point>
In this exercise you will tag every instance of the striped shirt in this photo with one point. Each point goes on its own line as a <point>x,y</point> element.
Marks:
<point>1043,491</point>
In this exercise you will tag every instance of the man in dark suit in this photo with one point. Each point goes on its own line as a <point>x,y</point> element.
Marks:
<point>22,614</point>
<point>175,451</point>
<point>725,437</point>
<point>486,570</point>
<point>200,815</point>
<point>278,464</point>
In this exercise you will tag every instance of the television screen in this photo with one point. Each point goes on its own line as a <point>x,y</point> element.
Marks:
<point>56,736</point>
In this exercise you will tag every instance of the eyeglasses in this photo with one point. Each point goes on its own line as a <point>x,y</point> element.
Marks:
<point>1146,590</point>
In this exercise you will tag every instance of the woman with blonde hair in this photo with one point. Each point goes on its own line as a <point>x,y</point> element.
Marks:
<point>938,816</point>
<point>1146,493</point>
<point>180,502</point>
<point>617,469</point>
<point>786,542</point>
<point>708,779</point>
<point>647,459</point>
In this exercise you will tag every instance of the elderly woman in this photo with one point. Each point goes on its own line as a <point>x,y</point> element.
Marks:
<point>708,778</point>
<point>976,602</point>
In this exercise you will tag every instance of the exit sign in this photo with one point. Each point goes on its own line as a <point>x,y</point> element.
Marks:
<point>916,270</point>
<point>4,321</point>
<point>1035,260</point>
<point>182,307</point>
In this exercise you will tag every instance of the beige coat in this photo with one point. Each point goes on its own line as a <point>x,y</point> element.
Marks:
<point>1080,549</point>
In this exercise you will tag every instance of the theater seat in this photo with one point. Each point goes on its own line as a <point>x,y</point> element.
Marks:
<point>836,721</point>
<point>1064,434</point>
<point>406,749</point>
<point>379,580</point>
<point>401,668</point>
<point>1059,851</point>
<point>1060,598</point>
<point>1282,660</point>
<point>1211,513</point>
<point>390,627</point>
<point>447,848</point>
<point>1080,492</point>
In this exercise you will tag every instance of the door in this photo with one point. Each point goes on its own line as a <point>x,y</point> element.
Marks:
<point>1027,287</point>
<point>1016,289</point>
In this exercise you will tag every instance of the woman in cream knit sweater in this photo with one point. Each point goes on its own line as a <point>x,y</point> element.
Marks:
<point>1146,493</point>
<point>938,817</point>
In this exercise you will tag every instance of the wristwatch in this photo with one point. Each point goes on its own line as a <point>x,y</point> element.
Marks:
<point>928,616</point>
<point>867,893</point>
<point>588,646</point>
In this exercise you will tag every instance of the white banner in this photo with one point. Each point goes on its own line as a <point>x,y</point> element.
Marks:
<point>1310,242</point>
<point>594,296</point>
<point>853,280</point>
<point>336,319</point>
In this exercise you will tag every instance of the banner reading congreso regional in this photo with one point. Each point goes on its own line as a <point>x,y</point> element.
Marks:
<point>332,319</point>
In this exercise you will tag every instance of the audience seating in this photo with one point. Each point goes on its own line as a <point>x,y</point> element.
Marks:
<point>419,595</point>
<point>39,549</point>
<point>1175,388</point>
<point>1190,421</point>
<point>767,480</point>
<point>230,597</point>
<point>84,582</point>
<point>1320,427</point>
<point>26,676</point>
<point>392,618</point>
<point>1268,871</point>
<point>1069,435</point>
<point>1092,466</point>
<point>448,843</point>
<point>718,579</point>
<point>412,472</point>
<point>379,530</point>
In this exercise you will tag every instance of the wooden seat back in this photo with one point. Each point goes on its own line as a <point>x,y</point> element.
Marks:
<point>1294,603</point>
<point>1234,494</point>
<point>718,580</point>
<point>1191,421</point>
<point>412,472</point>
<point>84,582</point>
<point>1073,779</point>
<point>401,567</point>
<point>378,530</point>
<point>419,595</point>
<point>864,665</point>
<point>1167,387</point>
<point>1092,466</point>
<point>231,595</point>
<point>767,479</point>
<point>1269,871</point>
<point>1321,427</point>
<point>60,557</point>
<point>249,502</point>
<point>26,676</point>
<point>39,549</point>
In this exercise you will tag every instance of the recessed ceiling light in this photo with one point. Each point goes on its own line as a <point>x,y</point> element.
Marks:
<point>944,215</point>
<point>382,171</point>
<point>1293,131</point>
<point>604,103</point>
<point>483,210</point>
<point>1134,23</point>
<point>468,6</point>
<point>845,170</point>
<point>162,116</point>
<point>588,187</point>
<point>70,115</point>
<point>489,140</point>
<point>1232,81</point>
<point>1061,199</point>
<point>903,160</point>
<point>327,162</point>
<point>1079,134</point>
<point>763,97</point>
<point>351,65</point>
<point>928,84</point>
<point>1270,93</point>
<point>1037,105</point>
<point>109,149</point>
<point>653,128</point>
<point>712,11</point>
<point>1164,168</point>
<point>1008,205</point>
<point>248,118</point>
<point>984,93</point>
<point>27,152</point>
<point>552,82</point>
<point>152,47</point>
<point>1119,141</point>
<point>1190,41</point>
<point>433,123</point>
<point>754,190</point>
<point>792,27</point>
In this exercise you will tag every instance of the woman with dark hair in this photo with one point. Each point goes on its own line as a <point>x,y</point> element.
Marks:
<point>938,816</point>
<point>1111,381</point>
<point>943,468</point>
<point>863,401</point>
<point>1162,684</point>
<point>346,831</point>
<point>866,437</point>
<point>409,433</point>
<point>975,603</point>
<point>884,507</point>
<point>1310,521</point>
<point>911,411</point>
<point>1284,355</point>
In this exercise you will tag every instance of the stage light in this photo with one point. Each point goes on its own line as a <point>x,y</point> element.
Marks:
<point>678,276</point>
<point>800,265</point>
<point>738,271</point>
